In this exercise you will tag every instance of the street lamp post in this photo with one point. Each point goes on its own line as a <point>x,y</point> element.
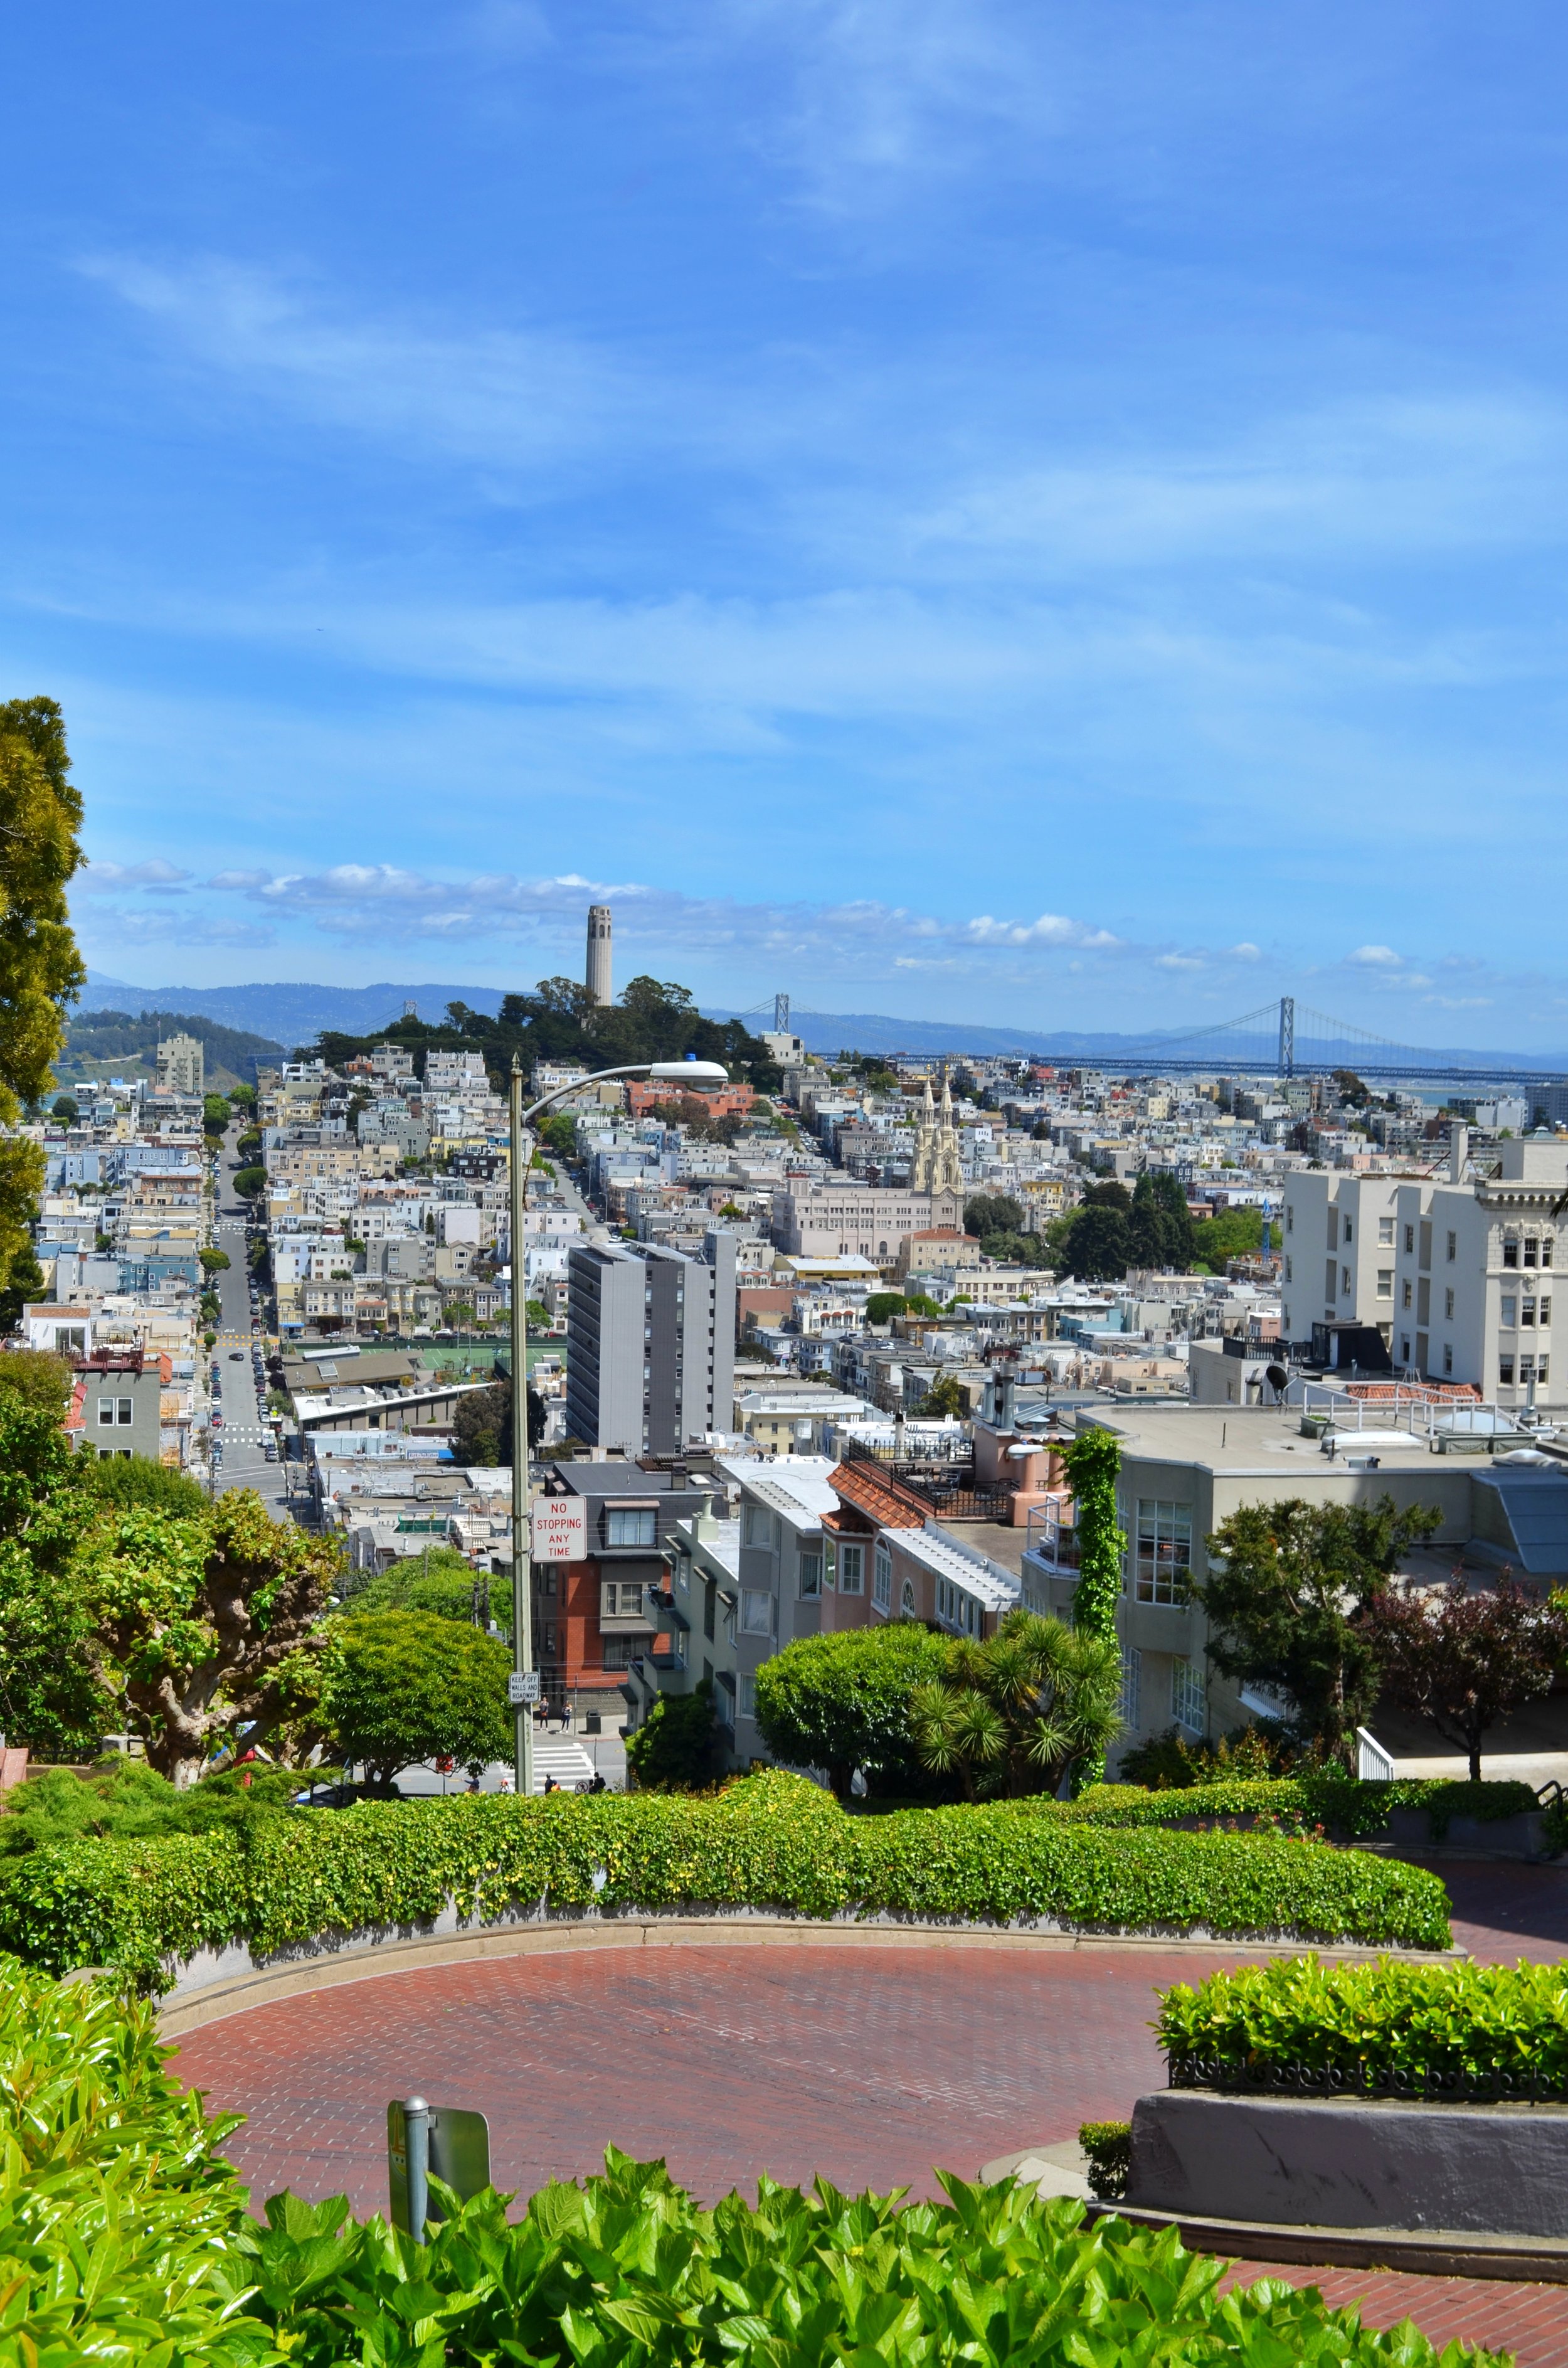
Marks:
<point>523,1688</point>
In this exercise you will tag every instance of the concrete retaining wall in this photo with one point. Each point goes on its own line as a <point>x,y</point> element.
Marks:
<point>1298,2162</point>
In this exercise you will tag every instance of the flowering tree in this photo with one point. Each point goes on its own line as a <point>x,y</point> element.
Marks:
<point>1465,1661</point>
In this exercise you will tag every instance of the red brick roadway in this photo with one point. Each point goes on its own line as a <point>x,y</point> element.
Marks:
<point>869,2064</point>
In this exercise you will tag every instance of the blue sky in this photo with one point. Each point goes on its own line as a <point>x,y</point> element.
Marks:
<point>1050,513</point>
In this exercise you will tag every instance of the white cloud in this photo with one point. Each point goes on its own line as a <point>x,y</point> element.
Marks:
<point>1375,957</point>
<point>154,872</point>
<point>1051,930</point>
<point>1245,952</point>
<point>1180,961</point>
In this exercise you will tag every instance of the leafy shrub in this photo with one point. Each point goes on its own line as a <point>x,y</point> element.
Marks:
<point>128,1801</point>
<point>124,2236</point>
<point>841,1702</point>
<point>771,1841</point>
<point>1327,1798</point>
<point>1011,1715</point>
<point>1423,2028</point>
<point>1170,1760</point>
<point>676,1743</point>
<point>1109,2145</point>
<point>405,1687</point>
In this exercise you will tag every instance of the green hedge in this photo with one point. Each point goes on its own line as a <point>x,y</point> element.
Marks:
<point>1488,2029</point>
<point>770,1841</point>
<point>124,2237</point>
<point>1338,1803</point>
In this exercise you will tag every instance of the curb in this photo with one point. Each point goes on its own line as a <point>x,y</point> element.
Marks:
<point>402,1952</point>
<point>1434,2253</point>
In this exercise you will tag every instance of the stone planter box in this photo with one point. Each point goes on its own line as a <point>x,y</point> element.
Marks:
<point>1295,2162</point>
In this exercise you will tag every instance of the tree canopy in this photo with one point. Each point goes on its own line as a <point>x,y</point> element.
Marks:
<point>841,1701</point>
<point>1011,1715</point>
<point>41,967</point>
<point>675,1748</point>
<point>405,1689</point>
<point>1465,1661</point>
<point>1286,1591</point>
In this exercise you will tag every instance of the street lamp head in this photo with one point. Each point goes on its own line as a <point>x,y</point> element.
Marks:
<point>690,1072</point>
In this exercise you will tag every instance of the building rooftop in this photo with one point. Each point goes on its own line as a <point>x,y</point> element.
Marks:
<point>1255,1440</point>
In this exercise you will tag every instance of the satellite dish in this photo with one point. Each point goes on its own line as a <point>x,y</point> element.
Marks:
<point>1276,1377</point>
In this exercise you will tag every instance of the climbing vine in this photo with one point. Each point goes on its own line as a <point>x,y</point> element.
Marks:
<point>1093,1461</point>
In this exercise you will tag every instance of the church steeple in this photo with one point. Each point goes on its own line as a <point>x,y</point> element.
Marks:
<point>947,1162</point>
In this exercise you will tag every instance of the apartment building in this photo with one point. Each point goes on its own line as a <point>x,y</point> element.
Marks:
<point>595,1624</point>
<point>182,1067</point>
<point>650,1343</point>
<point>1456,1275</point>
<point>841,1218</point>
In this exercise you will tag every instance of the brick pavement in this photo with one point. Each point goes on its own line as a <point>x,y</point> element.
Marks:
<point>870,2066</point>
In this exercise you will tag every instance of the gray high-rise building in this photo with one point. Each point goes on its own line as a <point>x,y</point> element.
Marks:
<point>650,1345</point>
<point>597,979</point>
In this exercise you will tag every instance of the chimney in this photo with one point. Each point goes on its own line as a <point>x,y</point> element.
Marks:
<point>597,976</point>
<point>1458,1150</point>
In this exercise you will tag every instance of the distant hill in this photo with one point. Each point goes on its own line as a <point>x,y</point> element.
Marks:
<point>118,1042</point>
<point>286,1011</point>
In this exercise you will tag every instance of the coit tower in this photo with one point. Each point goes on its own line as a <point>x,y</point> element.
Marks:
<point>597,981</point>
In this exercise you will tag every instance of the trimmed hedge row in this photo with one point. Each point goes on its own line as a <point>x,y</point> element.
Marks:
<point>1338,1802</point>
<point>1368,2027</point>
<point>770,1841</point>
<point>124,2236</point>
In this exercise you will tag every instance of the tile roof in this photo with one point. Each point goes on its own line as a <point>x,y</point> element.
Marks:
<point>878,1496</point>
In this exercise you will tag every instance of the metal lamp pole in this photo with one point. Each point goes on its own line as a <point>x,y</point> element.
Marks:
<point>524,1685</point>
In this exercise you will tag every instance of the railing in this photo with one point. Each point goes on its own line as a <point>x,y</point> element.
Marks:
<point>1053,1540</point>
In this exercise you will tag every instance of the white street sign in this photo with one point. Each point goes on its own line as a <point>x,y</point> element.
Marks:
<point>559,1529</point>
<point>522,1686</point>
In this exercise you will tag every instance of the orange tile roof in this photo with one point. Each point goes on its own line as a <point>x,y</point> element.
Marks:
<point>878,1496</point>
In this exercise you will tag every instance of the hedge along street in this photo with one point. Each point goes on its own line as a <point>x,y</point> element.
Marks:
<point>770,1841</point>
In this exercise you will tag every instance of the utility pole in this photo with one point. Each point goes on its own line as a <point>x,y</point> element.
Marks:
<point>523,1688</point>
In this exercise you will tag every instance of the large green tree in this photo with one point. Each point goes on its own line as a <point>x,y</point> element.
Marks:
<point>441,1582</point>
<point>404,1689</point>
<point>41,968</point>
<point>1159,1227</point>
<point>1287,1593</point>
<point>841,1702</point>
<point>49,1695</point>
<point>676,1746</point>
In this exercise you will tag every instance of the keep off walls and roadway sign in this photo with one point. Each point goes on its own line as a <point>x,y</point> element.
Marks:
<point>559,1529</point>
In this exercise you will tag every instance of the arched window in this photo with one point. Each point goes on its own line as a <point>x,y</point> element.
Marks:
<point>908,1599</point>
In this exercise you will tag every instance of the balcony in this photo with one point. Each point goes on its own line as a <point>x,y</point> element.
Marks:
<point>1051,1540</point>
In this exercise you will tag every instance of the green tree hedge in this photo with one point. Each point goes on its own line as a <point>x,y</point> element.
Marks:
<point>841,1702</point>
<point>403,1688</point>
<point>770,1841</point>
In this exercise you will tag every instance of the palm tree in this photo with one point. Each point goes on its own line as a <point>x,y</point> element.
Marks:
<point>1012,1715</point>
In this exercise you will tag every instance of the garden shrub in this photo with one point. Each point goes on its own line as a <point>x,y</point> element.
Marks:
<point>1338,1802</point>
<point>1459,2028</point>
<point>773,1841</point>
<point>124,2237</point>
<point>1109,2145</point>
<point>127,1801</point>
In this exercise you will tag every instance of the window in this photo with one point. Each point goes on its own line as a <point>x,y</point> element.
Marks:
<point>1344,1281</point>
<point>756,1528</point>
<point>1530,1249</point>
<point>907,1599</point>
<point>1347,1231</point>
<point>811,1571</point>
<point>1290,1218</point>
<point>1449,1305</point>
<point>851,1569</point>
<point>106,1411</point>
<point>1447,1357</point>
<point>1508,1310</point>
<point>1546,1252</point>
<point>1505,1372</point>
<point>631,1525</point>
<point>1409,1239</point>
<point>1131,1676</point>
<point>1454,1248</point>
<point>1545,1311</point>
<point>1404,1348</point>
<point>620,1652</point>
<point>748,1697</point>
<point>1527,1368</point>
<point>757,1612</point>
<point>1526,1311</point>
<point>1189,1695</point>
<point>1510,1252</point>
<point>1404,1294</point>
<point>1540,1365</point>
<point>1385,1283</point>
<point>1385,1232</point>
<point>882,1581</point>
<point>620,1599</point>
<point>1289,1276</point>
<point>1163,1551</point>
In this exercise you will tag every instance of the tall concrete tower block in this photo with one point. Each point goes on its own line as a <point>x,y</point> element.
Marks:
<point>597,979</point>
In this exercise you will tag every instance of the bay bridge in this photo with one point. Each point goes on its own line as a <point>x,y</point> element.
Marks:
<point>1281,1039</point>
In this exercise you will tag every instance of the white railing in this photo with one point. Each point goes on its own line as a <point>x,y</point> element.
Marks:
<point>1373,1764</point>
